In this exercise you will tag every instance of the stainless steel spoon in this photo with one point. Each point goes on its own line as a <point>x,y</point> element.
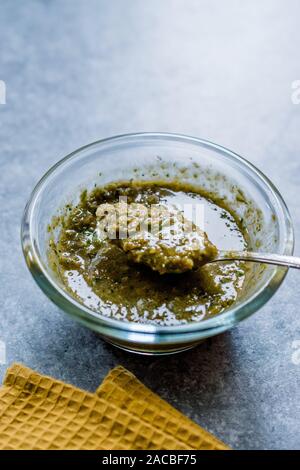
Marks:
<point>268,258</point>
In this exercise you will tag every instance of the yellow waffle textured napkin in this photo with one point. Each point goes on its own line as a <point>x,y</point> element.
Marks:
<point>38,412</point>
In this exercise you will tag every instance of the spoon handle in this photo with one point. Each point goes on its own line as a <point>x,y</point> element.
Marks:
<point>268,258</point>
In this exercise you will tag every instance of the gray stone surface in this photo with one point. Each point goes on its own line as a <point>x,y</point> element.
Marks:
<point>77,71</point>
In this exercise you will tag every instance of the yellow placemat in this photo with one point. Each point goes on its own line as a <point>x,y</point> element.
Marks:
<point>38,412</point>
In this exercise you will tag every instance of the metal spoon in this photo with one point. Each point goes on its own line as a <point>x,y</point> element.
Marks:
<point>268,258</point>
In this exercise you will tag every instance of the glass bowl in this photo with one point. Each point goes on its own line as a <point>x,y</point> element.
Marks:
<point>147,156</point>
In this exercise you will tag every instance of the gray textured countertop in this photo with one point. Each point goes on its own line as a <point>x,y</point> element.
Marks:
<point>82,70</point>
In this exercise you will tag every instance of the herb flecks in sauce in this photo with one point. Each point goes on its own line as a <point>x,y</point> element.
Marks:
<point>100,274</point>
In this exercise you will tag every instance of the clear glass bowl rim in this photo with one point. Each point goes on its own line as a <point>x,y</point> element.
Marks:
<point>97,321</point>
